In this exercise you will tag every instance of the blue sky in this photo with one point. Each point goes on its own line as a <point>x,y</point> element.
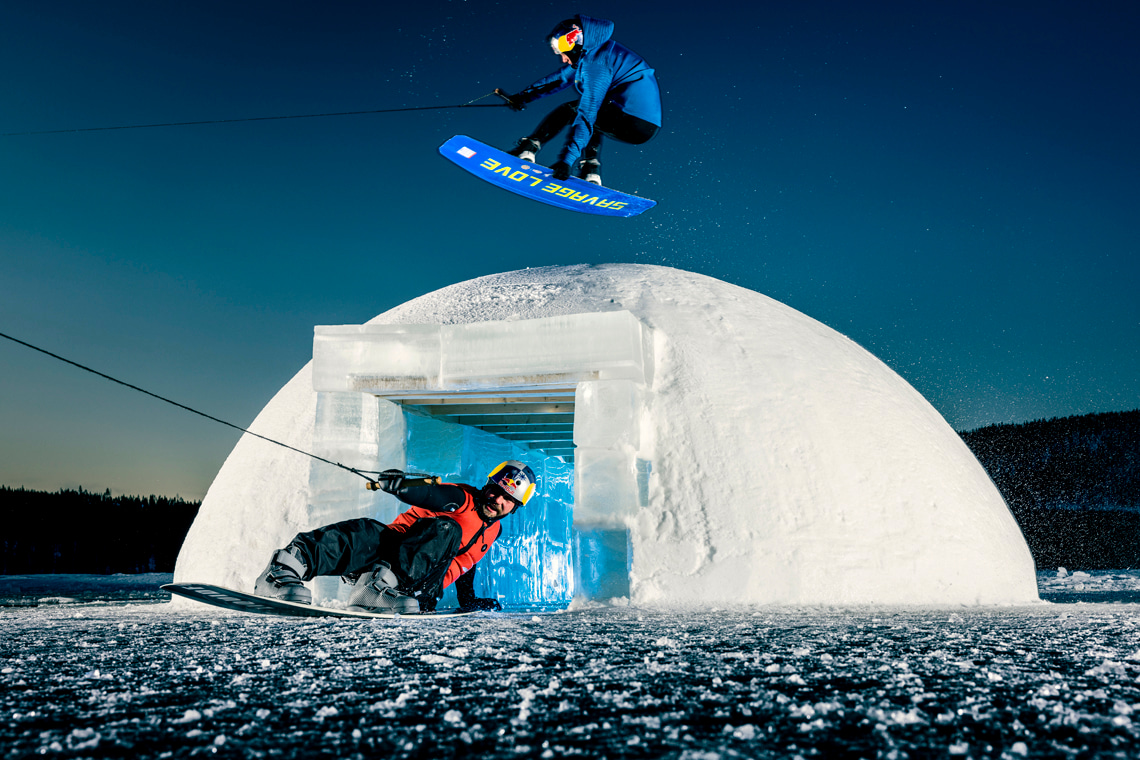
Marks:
<point>951,184</point>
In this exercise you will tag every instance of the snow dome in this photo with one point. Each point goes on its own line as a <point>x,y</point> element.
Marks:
<point>727,449</point>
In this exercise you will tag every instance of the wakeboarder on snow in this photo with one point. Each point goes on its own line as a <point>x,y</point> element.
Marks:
<point>404,567</point>
<point>619,98</point>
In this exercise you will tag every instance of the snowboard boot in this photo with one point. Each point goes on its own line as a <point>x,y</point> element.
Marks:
<point>282,578</point>
<point>527,149</point>
<point>376,592</point>
<point>589,170</point>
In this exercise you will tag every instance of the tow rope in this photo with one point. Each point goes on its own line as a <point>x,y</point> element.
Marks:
<point>469,104</point>
<point>373,483</point>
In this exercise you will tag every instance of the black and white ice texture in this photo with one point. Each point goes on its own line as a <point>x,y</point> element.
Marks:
<point>94,678</point>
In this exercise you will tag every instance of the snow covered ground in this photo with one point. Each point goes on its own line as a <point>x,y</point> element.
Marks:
<point>122,674</point>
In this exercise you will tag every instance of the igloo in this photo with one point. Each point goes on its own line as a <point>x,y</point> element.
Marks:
<point>704,445</point>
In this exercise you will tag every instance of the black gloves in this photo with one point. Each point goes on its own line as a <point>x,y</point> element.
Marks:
<point>513,101</point>
<point>465,593</point>
<point>481,604</point>
<point>561,170</point>
<point>391,480</point>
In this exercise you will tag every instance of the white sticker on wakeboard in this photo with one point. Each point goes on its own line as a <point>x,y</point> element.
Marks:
<point>465,152</point>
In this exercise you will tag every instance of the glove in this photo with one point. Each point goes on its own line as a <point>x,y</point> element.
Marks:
<point>481,603</point>
<point>391,480</point>
<point>513,101</point>
<point>561,170</point>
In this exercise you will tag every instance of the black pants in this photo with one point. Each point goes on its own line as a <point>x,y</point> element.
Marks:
<point>611,122</point>
<point>419,556</point>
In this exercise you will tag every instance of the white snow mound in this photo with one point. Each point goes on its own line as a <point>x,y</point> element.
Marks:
<point>789,464</point>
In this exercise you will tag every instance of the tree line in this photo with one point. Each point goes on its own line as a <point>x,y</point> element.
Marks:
<point>1072,483</point>
<point>82,532</point>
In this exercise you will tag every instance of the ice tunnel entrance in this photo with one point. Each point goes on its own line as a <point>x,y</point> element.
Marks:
<point>565,394</point>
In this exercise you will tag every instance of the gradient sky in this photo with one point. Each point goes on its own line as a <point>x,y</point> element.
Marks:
<point>954,185</point>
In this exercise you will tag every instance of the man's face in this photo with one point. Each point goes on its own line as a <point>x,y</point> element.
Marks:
<point>497,504</point>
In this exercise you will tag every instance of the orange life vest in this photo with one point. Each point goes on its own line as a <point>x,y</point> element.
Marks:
<point>477,534</point>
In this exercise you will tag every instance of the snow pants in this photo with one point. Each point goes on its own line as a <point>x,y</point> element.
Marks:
<point>611,122</point>
<point>419,556</point>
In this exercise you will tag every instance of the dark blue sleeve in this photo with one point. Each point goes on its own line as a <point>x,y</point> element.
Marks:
<point>548,85</point>
<point>594,80</point>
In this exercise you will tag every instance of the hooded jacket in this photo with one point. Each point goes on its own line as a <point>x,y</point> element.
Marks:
<point>607,72</point>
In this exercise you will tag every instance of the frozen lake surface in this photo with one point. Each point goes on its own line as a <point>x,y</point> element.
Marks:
<point>104,667</point>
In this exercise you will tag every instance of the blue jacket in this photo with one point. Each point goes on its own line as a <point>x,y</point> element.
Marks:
<point>606,72</point>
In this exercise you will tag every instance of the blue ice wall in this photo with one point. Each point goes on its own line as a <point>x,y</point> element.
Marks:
<point>530,565</point>
<point>604,561</point>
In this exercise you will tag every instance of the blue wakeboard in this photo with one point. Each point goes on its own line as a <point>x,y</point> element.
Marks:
<point>537,183</point>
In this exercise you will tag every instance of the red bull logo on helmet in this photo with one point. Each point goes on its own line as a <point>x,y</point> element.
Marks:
<point>566,42</point>
<point>516,479</point>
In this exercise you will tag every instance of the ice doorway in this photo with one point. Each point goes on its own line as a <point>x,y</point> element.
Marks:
<point>566,394</point>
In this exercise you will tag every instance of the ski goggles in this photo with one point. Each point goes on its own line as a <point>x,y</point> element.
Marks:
<point>566,42</point>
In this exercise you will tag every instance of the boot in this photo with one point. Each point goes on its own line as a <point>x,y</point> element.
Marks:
<point>589,170</point>
<point>282,578</point>
<point>376,592</point>
<point>527,149</point>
